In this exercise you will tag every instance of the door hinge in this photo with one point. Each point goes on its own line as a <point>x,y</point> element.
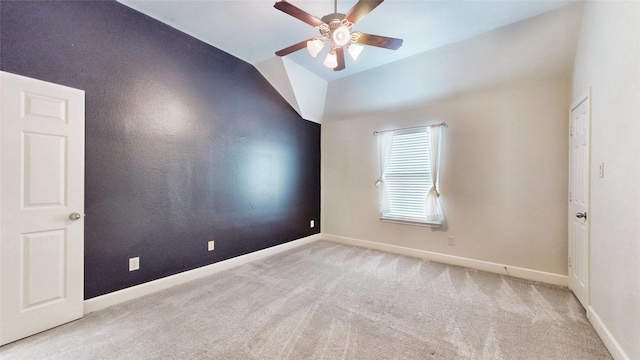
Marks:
<point>569,261</point>
<point>569,196</point>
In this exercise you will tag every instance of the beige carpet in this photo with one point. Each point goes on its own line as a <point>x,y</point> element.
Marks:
<point>329,301</point>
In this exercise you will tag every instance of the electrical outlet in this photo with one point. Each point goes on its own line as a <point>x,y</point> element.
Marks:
<point>210,246</point>
<point>312,224</point>
<point>452,240</point>
<point>134,264</point>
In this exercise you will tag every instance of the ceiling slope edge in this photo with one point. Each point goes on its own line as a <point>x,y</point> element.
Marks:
<point>310,90</point>
<point>302,89</point>
<point>537,50</point>
<point>276,74</point>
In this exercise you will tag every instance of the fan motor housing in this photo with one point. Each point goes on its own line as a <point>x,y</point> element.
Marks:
<point>333,20</point>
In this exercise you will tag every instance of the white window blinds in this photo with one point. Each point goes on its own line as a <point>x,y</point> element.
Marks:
<point>407,177</point>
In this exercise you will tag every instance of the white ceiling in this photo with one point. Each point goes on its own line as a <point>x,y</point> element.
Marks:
<point>450,48</point>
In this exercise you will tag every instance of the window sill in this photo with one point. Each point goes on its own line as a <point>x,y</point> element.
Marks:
<point>432,224</point>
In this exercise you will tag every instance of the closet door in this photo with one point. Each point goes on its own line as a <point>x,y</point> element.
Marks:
<point>579,199</point>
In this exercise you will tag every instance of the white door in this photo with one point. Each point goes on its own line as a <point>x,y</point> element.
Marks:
<point>41,185</point>
<point>579,199</point>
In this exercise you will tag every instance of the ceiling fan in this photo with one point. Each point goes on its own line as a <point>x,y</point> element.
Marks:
<point>336,30</point>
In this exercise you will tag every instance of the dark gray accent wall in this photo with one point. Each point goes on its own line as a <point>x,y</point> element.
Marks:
<point>184,142</point>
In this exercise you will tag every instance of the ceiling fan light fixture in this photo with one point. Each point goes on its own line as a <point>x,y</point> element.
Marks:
<point>341,36</point>
<point>355,50</point>
<point>335,29</point>
<point>331,60</point>
<point>315,46</point>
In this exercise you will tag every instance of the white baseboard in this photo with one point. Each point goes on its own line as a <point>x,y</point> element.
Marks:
<point>609,341</point>
<point>522,273</point>
<point>120,296</point>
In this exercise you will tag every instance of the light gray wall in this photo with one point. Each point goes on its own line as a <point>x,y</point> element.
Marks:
<point>608,60</point>
<point>503,178</point>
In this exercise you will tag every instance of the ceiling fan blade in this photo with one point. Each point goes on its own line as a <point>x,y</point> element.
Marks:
<point>293,48</point>
<point>361,9</point>
<point>297,13</point>
<point>380,41</point>
<point>340,56</point>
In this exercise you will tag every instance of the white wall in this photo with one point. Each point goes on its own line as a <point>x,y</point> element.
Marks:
<point>608,60</point>
<point>503,178</point>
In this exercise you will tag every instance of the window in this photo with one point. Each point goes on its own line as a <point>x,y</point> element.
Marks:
<point>408,185</point>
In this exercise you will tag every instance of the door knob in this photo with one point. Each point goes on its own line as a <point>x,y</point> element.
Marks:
<point>75,216</point>
<point>581,215</point>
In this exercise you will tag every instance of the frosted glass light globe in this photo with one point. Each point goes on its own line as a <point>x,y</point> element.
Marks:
<point>332,60</point>
<point>341,36</point>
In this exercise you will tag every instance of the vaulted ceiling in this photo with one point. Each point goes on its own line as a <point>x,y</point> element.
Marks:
<point>451,48</point>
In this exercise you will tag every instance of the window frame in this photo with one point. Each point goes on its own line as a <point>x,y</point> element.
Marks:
<point>425,170</point>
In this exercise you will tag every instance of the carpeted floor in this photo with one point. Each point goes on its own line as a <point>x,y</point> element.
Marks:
<point>330,301</point>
